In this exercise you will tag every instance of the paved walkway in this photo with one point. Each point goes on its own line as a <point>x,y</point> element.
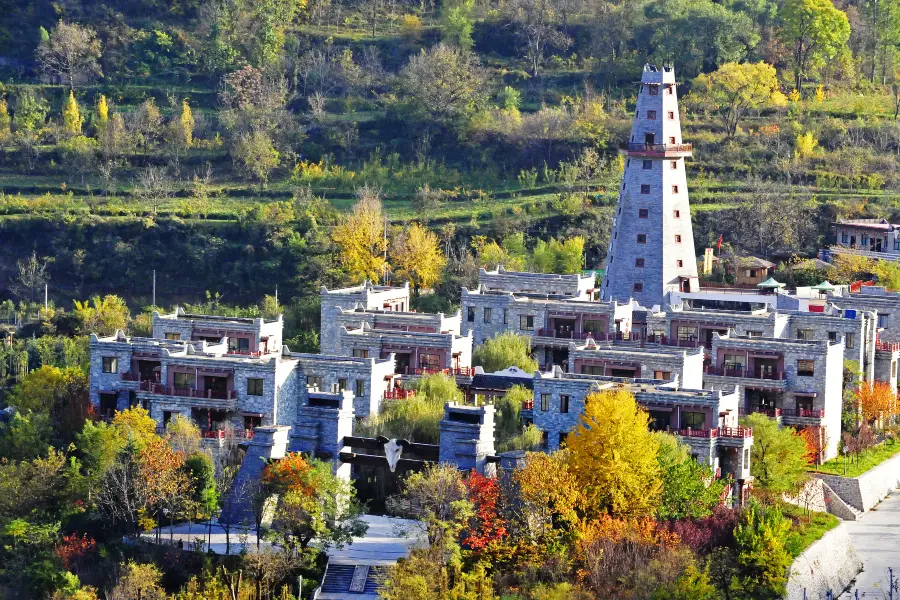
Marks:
<point>877,540</point>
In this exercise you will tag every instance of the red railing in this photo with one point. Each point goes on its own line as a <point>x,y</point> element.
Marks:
<point>157,388</point>
<point>659,148</point>
<point>462,371</point>
<point>769,412</point>
<point>220,434</point>
<point>736,432</point>
<point>732,372</point>
<point>244,352</point>
<point>699,433</point>
<point>528,405</point>
<point>730,432</point>
<point>806,413</point>
<point>399,394</point>
<point>888,346</point>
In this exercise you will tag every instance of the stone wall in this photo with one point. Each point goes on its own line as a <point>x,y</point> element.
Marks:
<point>867,490</point>
<point>829,564</point>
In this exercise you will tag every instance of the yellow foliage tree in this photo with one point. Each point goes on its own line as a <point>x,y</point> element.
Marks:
<point>102,316</point>
<point>135,424</point>
<point>102,111</point>
<point>550,495</point>
<point>360,237</point>
<point>735,89</point>
<point>187,124</point>
<point>5,120</point>
<point>72,119</point>
<point>612,454</point>
<point>416,256</point>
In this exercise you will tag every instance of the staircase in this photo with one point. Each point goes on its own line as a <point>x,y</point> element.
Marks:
<point>351,581</point>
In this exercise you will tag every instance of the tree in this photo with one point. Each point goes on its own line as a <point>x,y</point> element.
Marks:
<point>61,395</point>
<point>135,425</point>
<point>689,489</point>
<point>457,22</point>
<point>437,497</point>
<point>154,188</point>
<point>416,256</point>
<point>417,418</point>
<point>613,456</point>
<point>31,279</point>
<point>102,112</point>
<point>255,155</point>
<point>99,445</point>
<point>507,416</point>
<point>559,256</point>
<point>186,120</point>
<point>762,559</point>
<point>70,52</point>
<point>778,457</point>
<point>202,477</point>
<point>537,28</point>
<point>25,436</point>
<point>876,401</point>
<point>360,237</point>
<point>503,351</point>
<point>183,435</point>
<point>138,581</point>
<point>736,89</point>
<point>771,220</point>
<point>549,499</point>
<point>103,316</point>
<point>6,121</point>
<point>882,19</point>
<point>816,32</point>
<point>443,84</point>
<point>72,118</point>
<point>486,527</point>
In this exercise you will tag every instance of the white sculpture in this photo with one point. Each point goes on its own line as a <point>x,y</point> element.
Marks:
<point>392,451</point>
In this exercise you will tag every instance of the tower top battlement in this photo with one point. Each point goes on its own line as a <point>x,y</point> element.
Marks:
<point>652,74</point>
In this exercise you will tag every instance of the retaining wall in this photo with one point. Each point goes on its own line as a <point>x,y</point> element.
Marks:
<point>829,564</point>
<point>870,488</point>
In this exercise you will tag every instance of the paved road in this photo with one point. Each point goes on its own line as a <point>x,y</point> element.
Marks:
<point>877,540</point>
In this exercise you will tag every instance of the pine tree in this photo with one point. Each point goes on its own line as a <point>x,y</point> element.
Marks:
<point>72,116</point>
<point>187,124</point>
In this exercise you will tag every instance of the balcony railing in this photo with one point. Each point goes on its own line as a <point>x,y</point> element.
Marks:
<point>716,432</point>
<point>157,388</point>
<point>803,412</point>
<point>129,376</point>
<point>221,434</point>
<point>528,405</point>
<point>659,148</point>
<point>461,371</point>
<point>399,394</point>
<point>571,335</point>
<point>746,373</point>
<point>887,346</point>
<point>249,353</point>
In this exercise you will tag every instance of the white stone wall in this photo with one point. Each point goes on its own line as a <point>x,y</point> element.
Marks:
<point>829,564</point>
<point>870,488</point>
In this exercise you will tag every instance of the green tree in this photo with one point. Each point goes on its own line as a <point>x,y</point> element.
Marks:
<point>30,113</point>
<point>558,256</point>
<point>25,437</point>
<point>254,154</point>
<point>736,89</point>
<point>688,488</point>
<point>202,476</point>
<point>503,351</point>
<point>98,444</point>
<point>456,23</point>
<point>816,32</point>
<point>507,418</point>
<point>778,457</point>
<point>103,316</point>
<point>60,395</point>
<point>762,560</point>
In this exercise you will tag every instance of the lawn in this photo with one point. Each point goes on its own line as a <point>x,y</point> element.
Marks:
<point>846,466</point>
<point>806,529</point>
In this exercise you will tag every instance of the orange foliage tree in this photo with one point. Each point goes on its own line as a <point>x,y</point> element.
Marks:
<point>877,401</point>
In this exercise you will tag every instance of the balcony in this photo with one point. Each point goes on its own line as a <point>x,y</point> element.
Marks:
<point>718,432</point>
<point>803,413</point>
<point>221,434</point>
<point>399,394</point>
<point>455,371</point>
<point>247,353</point>
<point>886,346</point>
<point>570,335</point>
<point>744,373</point>
<point>659,150</point>
<point>158,388</point>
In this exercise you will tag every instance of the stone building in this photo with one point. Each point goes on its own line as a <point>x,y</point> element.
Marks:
<point>876,299</point>
<point>367,296</point>
<point>623,359</point>
<point>378,318</point>
<point>369,380</point>
<point>800,382</point>
<point>576,287</point>
<point>651,249</point>
<point>414,352</point>
<point>245,335</point>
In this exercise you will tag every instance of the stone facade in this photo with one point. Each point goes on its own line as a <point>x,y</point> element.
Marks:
<point>467,437</point>
<point>368,296</point>
<point>401,321</point>
<point>858,329</point>
<point>870,488</point>
<point>245,335</point>
<point>367,378</point>
<point>655,361</point>
<point>413,351</point>
<point>886,306</point>
<point>798,381</point>
<point>268,443</point>
<point>580,287</point>
<point>651,249</point>
<point>323,421</point>
<point>680,325</point>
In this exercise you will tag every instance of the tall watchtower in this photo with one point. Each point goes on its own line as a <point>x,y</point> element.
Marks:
<point>651,248</point>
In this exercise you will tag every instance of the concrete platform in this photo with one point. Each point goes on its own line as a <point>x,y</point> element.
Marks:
<point>876,537</point>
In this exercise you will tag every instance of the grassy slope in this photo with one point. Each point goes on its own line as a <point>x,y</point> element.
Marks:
<point>848,467</point>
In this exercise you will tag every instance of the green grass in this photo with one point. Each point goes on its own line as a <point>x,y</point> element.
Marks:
<point>806,529</point>
<point>849,467</point>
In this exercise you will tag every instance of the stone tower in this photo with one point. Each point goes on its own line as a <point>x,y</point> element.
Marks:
<point>651,248</point>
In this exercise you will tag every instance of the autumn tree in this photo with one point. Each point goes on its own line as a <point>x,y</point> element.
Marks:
<point>416,256</point>
<point>613,456</point>
<point>31,278</point>
<point>548,499</point>
<point>61,395</point>
<point>486,526</point>
<point>254,154</point>
<point>70,52</point>
<point>876,401</point>
<point>735,89</point>
<point>360,237</point>
<point>772,220</point>
<point>503,351</point>
<point>72,118</point>
<point>165,479</point>
<point>135,425</point>
<point>438,498</point>
<point>778,457</point>
<point>103,316</point>
<point>816,32</point>
<point>183,435</point>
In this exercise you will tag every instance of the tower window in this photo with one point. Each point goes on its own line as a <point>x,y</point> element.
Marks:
<point>638,287</point>
<point>673,165</point>
<point>651,114</point>
<point>671,139</point>
<point>677,239</point>
<point>674,189</point>
<point>671,115</point>
<point>679,263</point>
<point>639,262</point>
<point>645,188</point>
<point>648,164</point>
<point>653,90</point>
<point>676,214</point>
<point>628,162</point>
<point>643,213</point>
<point>669,90</point>
<point>642,238</point>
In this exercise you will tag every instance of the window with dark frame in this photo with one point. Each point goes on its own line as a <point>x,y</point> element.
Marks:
<point>110,364</point>
<point>487,315</point>
<point>545,402</point>
<point>637,287</point>
<point>676,214</point>
<point>642,238</point>
<point>254,386</point>
<point>526,322</point>
<point>673,165</point>
<point>679,263</point>
<point>643,213</point>
<point>677,239</point>
<point>639,262</point>
<point>674,189</point>
<point>651,114</point>
<point>671,115</point>
<point>563,404</point>
<point>359,387</point>
<point>806,368</point>
<point>648,164</point>
<point>653,90</point>
<point>645,188</point>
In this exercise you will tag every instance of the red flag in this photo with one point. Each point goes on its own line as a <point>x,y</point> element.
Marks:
<point>719,243</point>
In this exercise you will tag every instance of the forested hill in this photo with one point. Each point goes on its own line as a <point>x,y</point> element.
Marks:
<point>220,142</point>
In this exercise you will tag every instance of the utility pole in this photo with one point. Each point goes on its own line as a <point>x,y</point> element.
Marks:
<point>276,297</point>
<point>385,267</point>
<point>154,287</point>
<point>46,304</point>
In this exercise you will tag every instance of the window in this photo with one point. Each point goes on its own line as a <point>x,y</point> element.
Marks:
<point>487,315</point>
<point>110,364</point>
<point>804,402</point>
<point>173,336</point>
<point>664,375</point>
<point>312,381</point>
<point>677,239</point>
<point>563,404</point>
<point>470,315</point>
<point>804,334</point>
<point>183,380</point>
<point>359,387</point>
<point>832,336</point>
<point>671,115</point>
<point>505,317</point>
<point>254,387</point>
<point>642,238</point>
<point>686,334</point>
<point>653,90</point>
<point>639,262</point>
<point>734,362</point>
<point>754,334</point>
<point>676,214</point>
<point>674,189</point>
<point>865,240</point>
<point>679,263</point>
<point>897,243</point>
<point>845,239</point>
<point>893,369</point>
<point>429,361</point>
<point>526,322</point>
<point>594,326</point>
<point>648,164</point>
<point>651,114</point>
<point>645,188</point>
<point>883,320</point>
<point>545,402</point>
<point>342,384</point>
<point>591,370</point>
<point>692,420</point>
<point>669,90</point>
<point>643,213</point>
<point>672,139</point>
<point>360,353</point>
<point>637,287</point>
<point>562,438</point>
<point>806,368</point>
<point>850,340</point>
<point>673,165</point>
